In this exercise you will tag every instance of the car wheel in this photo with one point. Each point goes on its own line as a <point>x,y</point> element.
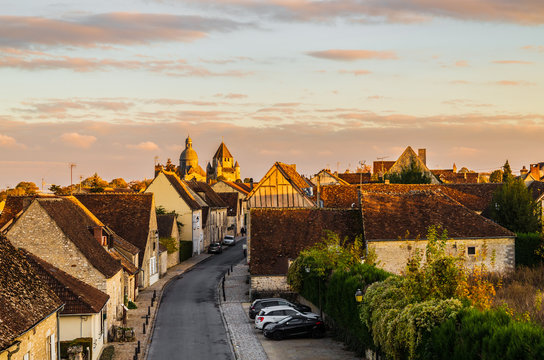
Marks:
<point>278,335</point>
<point>264,325</point>
<point>317,334</point>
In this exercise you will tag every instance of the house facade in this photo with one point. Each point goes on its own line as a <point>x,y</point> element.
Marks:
<point>61,232</point>
<point>172,194</point>
<point>133,217</point>
<point>29,310</point>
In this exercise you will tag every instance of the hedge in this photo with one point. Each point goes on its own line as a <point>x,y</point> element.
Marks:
<point>86,343</point>
<point>185,250</point>
<point>526,246</point>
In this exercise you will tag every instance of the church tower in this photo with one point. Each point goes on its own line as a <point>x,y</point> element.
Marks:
<point>223,165</point>
<point>188,163</point>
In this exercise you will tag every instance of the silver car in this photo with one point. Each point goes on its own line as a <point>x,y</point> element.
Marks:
<point>228,240</point>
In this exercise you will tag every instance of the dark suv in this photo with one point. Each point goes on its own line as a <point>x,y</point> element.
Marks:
<point>215,248</point>
<point>260,304</point>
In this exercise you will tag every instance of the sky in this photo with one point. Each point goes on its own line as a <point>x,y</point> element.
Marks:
<point>111,85</point>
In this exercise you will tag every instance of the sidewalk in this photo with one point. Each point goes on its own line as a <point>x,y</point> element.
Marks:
<point>245,345</point>
<point>136,317</point>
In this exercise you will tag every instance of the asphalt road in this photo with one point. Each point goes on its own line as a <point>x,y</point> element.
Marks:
<point>188,324</point>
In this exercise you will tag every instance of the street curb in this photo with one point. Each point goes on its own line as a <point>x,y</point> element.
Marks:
<point>235,354</point>
<point>159,301</point>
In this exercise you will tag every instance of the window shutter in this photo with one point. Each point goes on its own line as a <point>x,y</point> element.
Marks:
<point>53,347</point>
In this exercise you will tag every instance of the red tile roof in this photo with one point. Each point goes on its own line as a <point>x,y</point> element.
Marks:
<point>355,178</point>
<point>231,199</point>
<point>388,216</point>
<point>25,300</point>
<point>75,221</point>
<point>338,196</point>
<point>206,193</point>
<point>278,235</point>
<point>126,214</point>
<point>78,297</point>
<point>182,190</point>
<point>476,197</point>
<point>165,223</point>
<point>291,174</point>
<point>382,166</point>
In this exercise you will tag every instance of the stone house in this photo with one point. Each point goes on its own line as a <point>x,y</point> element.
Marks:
<point>409,158</point>
<point>131,216</point>
<point>29,310</point>
<point>214,211</point>
<point>172,194</point>
<point>535,173</point>
<point>325,177</point>
<point>278,236</point>
<point>235,212</point>
<point>243,189</point>
<point>396,223</point>
<point>168,229</point>
<point>84,306</point>
<point>62,232</point>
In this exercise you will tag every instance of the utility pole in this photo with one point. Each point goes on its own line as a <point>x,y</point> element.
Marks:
<point>362,164</point>
<point>381,160</point>
<point>72,166</point>
<point>43,183</point>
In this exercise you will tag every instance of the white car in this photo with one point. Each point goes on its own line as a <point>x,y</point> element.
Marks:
<point>228,240</point>
<point>274,314</point>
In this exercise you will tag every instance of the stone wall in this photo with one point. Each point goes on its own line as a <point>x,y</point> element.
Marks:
<point>500,257</point>
<point>269,284</point>
<point>35,342</point>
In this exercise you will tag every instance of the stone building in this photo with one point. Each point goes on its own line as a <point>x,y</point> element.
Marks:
<point>168,229</point>
<point>29,310</point>
<point>188,163</point>
<point>223,166</point>
<point>131,216</point>
<point>65,234</point>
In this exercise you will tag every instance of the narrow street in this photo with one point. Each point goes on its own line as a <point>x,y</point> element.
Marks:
<point>188,324</point>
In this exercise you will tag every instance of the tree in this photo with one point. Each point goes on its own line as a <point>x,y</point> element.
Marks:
<point>496,176</point>
<point>28,188</point>
<point>95,182</point>
<point>512,206</point>
<point>409,175</point>
<point>139,186</point>
<point>118,183</point>
<point>507,172</point>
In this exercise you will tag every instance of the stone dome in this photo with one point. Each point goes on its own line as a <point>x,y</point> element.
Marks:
<point>188,157</point>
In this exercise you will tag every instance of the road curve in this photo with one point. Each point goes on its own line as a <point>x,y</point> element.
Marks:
<point>188,324</point>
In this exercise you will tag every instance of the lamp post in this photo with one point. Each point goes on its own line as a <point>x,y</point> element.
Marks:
<point>359,296</point>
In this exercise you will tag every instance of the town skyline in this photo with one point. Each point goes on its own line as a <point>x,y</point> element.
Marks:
<point>109,85</point>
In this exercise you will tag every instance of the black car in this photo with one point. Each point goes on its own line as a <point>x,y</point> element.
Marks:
<point>215,248</point>
<point>296,325</point>
<point>260,304</point>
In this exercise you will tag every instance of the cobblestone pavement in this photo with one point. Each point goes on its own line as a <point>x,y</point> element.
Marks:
<point>250,344</point>
<point>245,345</point>
<point>136,317</point>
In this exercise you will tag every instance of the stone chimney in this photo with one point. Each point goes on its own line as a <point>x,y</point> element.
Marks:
<point>422,154</point>
<point>523,171</point>
<point>97,233</point>
<point>535,171</point>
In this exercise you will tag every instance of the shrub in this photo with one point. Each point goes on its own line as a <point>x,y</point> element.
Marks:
<point>527,249</point>
<point>132,305</point>
<point>107,353</point>
<point>170,244</point>
<point>185,250</point>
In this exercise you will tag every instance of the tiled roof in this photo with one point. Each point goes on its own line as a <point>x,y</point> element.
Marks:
<point>13,206</point>
<point>354,178</point>
<point>476,197</point>
<point>24,299</point>
<point>78,297</point>
<point>182,190</point>
<point>278,235</point>
<point>126,214</point>
<point>127,265</point>
<point>165,223</point>
<point>231,199</point>
<point>222,152</point>
<point>338,196</point>
<point>407,158</point>
<point>207,193</point>
<point>448,176</point>
<point>75,222</point>
<point>293,176</point>
<point>242,187</point>
<point>382,166</point>
<point>125,245</point>
<point>537,189</point>
<point>388,216</point>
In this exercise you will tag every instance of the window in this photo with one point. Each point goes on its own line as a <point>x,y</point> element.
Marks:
<point>295,321</point>
<point>26,356</point>
<point>152,266</point>
<point>51,347</point>
<point>290,312</point>
<point>471,250</point>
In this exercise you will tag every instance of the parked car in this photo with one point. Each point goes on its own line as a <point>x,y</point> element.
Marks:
<point>215,248</point>
<point>260,304</point>
<point>276,313</point>
<point>228,240</point>
<point>295,325</point>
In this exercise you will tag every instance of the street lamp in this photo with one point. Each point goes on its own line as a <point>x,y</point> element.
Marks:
<point>359,296</point>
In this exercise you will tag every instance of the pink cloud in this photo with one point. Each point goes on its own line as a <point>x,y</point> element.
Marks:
<point>514,83</point>
<point>9,142</point>
<point>110,28</point>
<point>145,145</point>
<point>352,55</point>
<point>77,140</point>
<point>231,96</point>
<point>461,63</point>
<point>537,48</point>
<point>355,72</point>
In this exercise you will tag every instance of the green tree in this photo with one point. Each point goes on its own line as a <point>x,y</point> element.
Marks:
<point>95,183</point>
<point>512,206</point>
<point>139,186</point>
<point>28,188</point>
<point>496,176</point>
<point>409,175</point>
<point>118,183</point>
<point>507,172</point>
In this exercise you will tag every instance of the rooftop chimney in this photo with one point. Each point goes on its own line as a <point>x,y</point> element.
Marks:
<point>422,154</point>
<point>523,171</point>
<point>535,171</point>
